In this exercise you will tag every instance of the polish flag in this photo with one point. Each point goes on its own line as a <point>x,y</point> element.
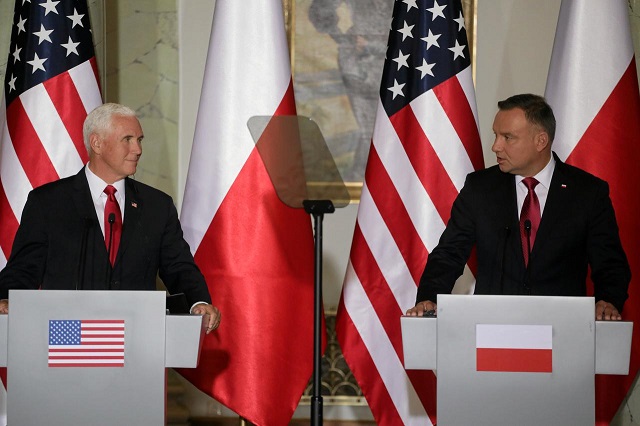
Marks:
<point>514,348</point>
<point>255,252</point>
<point>593,89</point>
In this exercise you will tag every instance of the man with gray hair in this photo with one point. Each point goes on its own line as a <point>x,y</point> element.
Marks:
<point>102,230</point>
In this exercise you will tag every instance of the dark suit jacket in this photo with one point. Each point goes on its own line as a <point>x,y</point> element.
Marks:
<point>47,248</point>
<point>578,229</point>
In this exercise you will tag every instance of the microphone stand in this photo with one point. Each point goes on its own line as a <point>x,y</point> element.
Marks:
<point>83,253</point>
<point>507,232</point>
<point>111,219</point>
<point>527,230</point>
<point>317,208</point>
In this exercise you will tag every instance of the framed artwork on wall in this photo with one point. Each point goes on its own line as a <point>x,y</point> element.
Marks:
<point>337,54</point>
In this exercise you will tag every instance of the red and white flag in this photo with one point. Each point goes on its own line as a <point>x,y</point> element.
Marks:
<point>514,348</point>
<point>424,143</point>
<point>255,252</point>
<point>50,86</point>
<point>593,89</point>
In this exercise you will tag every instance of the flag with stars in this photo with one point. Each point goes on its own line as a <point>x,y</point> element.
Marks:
<point>425,141</point>
<point>86,343</point>
<point>51,83</point>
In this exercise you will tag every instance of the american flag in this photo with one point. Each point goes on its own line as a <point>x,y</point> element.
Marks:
<point>51,83</point>
<point>86,343</point>
<point>424,143</point>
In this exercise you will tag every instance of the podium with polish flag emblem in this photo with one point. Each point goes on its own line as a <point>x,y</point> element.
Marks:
<point>92,357</point>
<point>525,360</point>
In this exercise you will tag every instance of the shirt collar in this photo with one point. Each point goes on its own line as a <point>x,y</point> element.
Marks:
<point>97,185</point>
<point>544,176</point>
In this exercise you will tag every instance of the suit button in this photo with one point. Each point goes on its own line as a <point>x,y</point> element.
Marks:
<point>115,285</point>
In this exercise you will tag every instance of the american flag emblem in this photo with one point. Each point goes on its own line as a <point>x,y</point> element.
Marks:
<point>86,343</point>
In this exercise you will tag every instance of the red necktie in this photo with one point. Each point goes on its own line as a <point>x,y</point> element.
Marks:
<point>113,229</point>
<point>531,212</point>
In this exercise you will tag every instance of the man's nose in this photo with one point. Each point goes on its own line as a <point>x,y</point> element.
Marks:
<point>497,145</point>
<point>136,148</point>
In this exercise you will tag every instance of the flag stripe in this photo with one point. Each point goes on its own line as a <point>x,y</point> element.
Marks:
<point>420,151</point>
<point>514,360</point>
<point>397,220</point>
<point>587,47</point>
<point>8,226</point>
<point>384,356</point>
<point>66,102</point>
<point>514,336</point>
<point>86,81</point>
<point>115,363</point>
<point>42,113</point>
<point>394,158</point>
<point>462,118</point>
<point>28,147</point>
<point>387,257</point>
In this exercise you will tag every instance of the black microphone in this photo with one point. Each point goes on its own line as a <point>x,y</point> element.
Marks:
<point>111,219</point>
<point>507,232</point>
<point>527,230</point>
<point>87,224</point>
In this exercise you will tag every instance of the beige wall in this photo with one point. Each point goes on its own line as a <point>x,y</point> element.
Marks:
<point>142,72</point>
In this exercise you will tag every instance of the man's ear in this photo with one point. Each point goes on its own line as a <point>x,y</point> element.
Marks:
<point>542,141</point>
<point>95,142</point>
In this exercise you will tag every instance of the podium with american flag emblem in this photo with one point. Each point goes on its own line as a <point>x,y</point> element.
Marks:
<point>92,357</point>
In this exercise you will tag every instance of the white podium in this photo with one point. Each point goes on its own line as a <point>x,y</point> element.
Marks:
<point>92,357</point>
<point>507,360</point>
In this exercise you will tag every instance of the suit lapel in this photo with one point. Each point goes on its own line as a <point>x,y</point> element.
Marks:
<point>82,196</point>
<point>132,209</point>
<point>515,244</point>
<point>553,209</point>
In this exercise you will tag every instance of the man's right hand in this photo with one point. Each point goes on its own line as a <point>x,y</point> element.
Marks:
<point>4,306</point>
<point>421,308</point>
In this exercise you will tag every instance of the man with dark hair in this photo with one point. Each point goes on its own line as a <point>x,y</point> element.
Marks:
<point>538,224</point>
<point>101,230</point>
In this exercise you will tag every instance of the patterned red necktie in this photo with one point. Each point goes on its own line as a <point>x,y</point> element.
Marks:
<point>531,212</point>
<point>113,229</point>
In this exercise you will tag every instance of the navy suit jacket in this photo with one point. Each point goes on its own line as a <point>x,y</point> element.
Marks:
<point>47,250</point>
<point>578,230</point>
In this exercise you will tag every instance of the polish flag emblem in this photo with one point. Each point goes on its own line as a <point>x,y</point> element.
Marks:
<point>514,348</point>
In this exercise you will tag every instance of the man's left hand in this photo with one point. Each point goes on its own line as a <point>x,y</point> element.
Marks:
<point>212,315</point>
<point>605,311</point>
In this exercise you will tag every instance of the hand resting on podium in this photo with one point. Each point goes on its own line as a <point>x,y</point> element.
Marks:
<point>212,313</point>
<point>605,311</point>
<point>213,320</point>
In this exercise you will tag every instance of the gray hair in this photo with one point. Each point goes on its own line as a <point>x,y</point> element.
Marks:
<point>99,120</point>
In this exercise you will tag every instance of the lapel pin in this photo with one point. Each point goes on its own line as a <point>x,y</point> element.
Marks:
<point>134,205</point>
<point>564,185</point>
